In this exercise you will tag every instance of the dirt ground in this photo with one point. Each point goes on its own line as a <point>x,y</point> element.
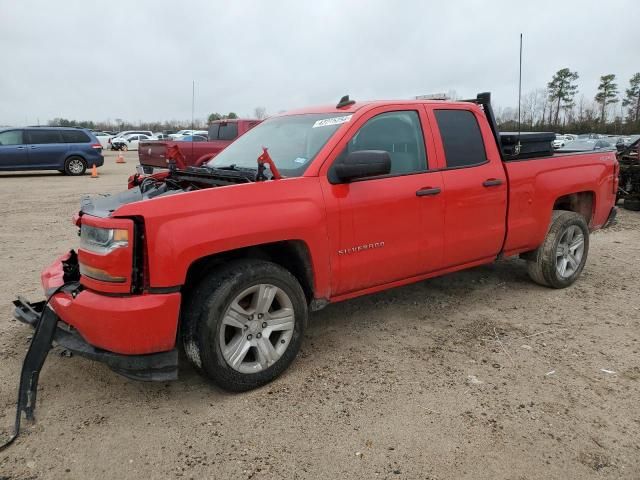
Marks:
<point>479,374</point>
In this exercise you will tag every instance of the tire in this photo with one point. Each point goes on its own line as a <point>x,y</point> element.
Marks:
<point>75,166</point>
<point>211,329</point>
<point>558,262</point>
<point>632,203</point>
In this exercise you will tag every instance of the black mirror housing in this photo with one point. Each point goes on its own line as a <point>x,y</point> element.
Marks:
<point>361,164</point>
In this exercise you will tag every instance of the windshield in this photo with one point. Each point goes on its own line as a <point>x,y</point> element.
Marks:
<point>293,142</point>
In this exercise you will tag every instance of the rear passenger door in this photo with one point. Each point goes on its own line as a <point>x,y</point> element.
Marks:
<point>475,186</point>
<point>46,148</point>
<point>13,151</point>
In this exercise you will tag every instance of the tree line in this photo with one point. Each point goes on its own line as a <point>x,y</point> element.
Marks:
<point>119,124</point>
<point>559,108</point>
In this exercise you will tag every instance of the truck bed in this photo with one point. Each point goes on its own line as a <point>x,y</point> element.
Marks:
<point>535,184</point>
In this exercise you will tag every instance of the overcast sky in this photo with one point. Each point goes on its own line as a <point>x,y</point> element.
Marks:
<point>136,60</point>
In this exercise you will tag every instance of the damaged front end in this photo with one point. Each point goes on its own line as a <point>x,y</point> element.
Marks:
<point>51,330</point>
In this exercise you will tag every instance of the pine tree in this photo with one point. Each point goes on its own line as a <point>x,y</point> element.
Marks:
<point>632,98</point>
<point>561,90</point>
<point>607,94</point>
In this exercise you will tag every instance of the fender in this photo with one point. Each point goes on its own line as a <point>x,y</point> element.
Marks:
<point>183,228</point>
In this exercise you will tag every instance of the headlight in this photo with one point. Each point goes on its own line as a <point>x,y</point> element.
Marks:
<point>103,240</point>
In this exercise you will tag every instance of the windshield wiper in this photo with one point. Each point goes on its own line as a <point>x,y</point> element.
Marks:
<point>233,167</point>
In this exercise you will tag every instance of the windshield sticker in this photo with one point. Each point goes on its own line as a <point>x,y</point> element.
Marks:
<point>300,160</point>
<point>332,121</point>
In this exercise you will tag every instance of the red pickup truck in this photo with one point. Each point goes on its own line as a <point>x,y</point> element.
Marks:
<point>227,260</point>
<point>154,154</point>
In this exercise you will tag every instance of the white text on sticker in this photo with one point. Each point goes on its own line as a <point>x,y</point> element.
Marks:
<point>331,121</point>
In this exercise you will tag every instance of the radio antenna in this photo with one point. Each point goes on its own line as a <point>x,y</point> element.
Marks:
<point>193,106</point>
<point>519,98</point>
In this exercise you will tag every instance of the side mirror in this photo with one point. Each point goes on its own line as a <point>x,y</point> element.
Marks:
<point>361,164</point>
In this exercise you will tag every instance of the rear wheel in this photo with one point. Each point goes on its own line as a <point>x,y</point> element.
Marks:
<point>243,324</point>
<point>75,166</point>
<point>558,262</point>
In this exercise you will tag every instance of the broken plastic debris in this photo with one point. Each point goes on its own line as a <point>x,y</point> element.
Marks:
<point>550,373</point>
<point>610,372</point>
<point>473,380</point>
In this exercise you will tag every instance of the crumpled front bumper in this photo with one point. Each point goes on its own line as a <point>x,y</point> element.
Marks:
<point>135,335</point>
<point>153,367</point>
<point>124,324</point>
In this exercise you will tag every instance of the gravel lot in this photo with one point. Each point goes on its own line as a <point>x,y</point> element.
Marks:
<point>480,374</point>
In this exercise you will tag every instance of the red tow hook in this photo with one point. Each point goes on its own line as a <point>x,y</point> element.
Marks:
<point>266,159</point>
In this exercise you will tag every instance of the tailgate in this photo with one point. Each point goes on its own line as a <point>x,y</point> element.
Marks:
<point>153,153</point>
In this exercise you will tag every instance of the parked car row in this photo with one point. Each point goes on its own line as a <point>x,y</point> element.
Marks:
<point>591,141</point>
<point>129,139</point>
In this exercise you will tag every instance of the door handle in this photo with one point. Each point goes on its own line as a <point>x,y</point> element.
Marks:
<point>428,191</point>
<point>20,148</point>
<point>492,182</point>
<point>33,146</point>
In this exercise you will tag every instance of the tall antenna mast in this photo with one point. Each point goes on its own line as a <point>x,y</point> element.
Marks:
<point>193,106</point>
<point>193,96</point>
<point>519,97</point>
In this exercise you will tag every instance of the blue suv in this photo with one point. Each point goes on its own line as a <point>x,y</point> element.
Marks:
<point>68,150</point>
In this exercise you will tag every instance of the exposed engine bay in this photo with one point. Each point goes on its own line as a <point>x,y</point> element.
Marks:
<point>170,183</point>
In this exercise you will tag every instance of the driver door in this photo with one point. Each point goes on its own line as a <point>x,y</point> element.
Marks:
<point>387,228</point>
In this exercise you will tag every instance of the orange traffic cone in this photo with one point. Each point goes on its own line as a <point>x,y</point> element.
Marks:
<point>94,171</point>
<point>120,158</point>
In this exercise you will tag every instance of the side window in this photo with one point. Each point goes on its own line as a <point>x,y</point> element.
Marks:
<point>213,131</point>
<point>461,138</point>
<point>399,134</point>
<point>11,137</point>
<point>75,136</point>
<point>44,136</point>
<point>228,131</point>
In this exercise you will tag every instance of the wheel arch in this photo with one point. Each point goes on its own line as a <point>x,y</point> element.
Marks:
<point>583,203</point>
<point>73,154</point>
<point>293,255</point>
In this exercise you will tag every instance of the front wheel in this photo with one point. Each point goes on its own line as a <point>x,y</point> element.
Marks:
<point>243,324</point>
<point>558,262</point>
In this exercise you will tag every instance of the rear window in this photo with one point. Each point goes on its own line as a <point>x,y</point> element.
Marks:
<point>228,131</point>
<point>44,136</point>
<point>461,138</point>
<point>75,136</point>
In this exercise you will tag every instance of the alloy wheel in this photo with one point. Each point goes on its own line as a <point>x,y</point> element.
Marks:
<point>569,251</point>
<point>256,328</point>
